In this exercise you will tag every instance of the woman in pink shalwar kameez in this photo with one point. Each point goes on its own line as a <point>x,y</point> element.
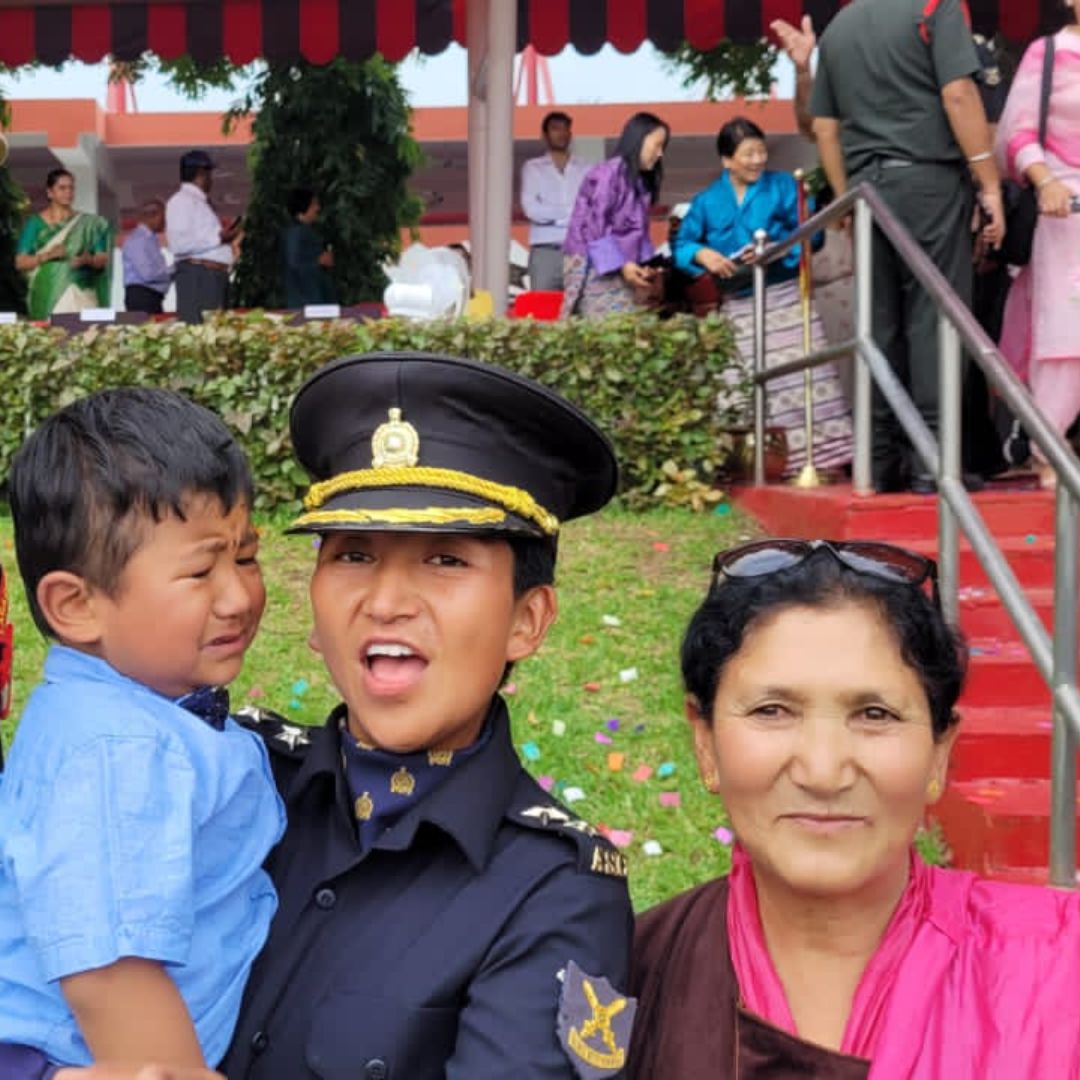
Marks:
<point>1041,335</point>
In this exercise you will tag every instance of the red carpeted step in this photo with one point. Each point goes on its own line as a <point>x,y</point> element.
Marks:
<point>835,512</point>
<point>1031,558</point>
<point>996,741</point>
<point>1002,675</point>
<point>997,823</point>
<point>983,615</point>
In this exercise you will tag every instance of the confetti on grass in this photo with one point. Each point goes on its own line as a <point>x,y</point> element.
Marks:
<point>602,738</point>
<point>611,620</point>
<point>546,782</point>
<point>592,687</point>
<point>725,836</point>
<point>531,751</point>
<point>628,675</point>
<point>621,838</point>
<point>613,724</point>
<point>642,773</point>
<point>666,770</point>
<point>652,847</point>
<point>573,794</point>
<point>615,761</point>
<point>558,728</point>
<point>670,798</point>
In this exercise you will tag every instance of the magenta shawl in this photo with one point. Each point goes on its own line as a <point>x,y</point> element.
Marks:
<point>972,980</point>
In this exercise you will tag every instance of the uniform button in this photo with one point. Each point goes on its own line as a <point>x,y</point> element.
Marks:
<point>376,1069</point>
<point>325,898</point>
<point>259,1042</point>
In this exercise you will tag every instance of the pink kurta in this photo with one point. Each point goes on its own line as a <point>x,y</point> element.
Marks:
<point>1041,335</point>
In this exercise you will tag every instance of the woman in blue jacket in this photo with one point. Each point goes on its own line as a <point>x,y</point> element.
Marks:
<point>717,237</point>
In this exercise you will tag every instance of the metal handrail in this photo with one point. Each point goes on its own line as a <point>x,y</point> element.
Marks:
<point>1056,657</point>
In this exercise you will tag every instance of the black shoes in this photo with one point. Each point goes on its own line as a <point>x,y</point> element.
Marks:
<point>925,484</point>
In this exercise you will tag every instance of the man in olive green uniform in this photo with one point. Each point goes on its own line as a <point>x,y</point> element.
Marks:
<point>895,104</point>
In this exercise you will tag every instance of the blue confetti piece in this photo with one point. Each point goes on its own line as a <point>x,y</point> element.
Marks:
<point>316,541</point>
<point>531,751</point>
<point>613,724</point>
<point>639,728</point>
<point>294,705</point>
<point>1030,538</point>
<point>300,687</point>
<point>666,770</point>
<point>722,509</point>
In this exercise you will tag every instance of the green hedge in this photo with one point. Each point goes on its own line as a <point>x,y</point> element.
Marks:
<point>650,385</point>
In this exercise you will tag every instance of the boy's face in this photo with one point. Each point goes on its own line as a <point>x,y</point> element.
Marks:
<point>416,629</point>
<point>188,602</point>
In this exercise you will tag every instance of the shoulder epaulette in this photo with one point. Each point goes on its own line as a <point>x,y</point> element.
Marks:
<point>596,854</point>
<point>281,736</point>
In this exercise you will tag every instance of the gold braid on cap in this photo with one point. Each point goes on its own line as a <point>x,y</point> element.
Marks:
<point>513,499</point>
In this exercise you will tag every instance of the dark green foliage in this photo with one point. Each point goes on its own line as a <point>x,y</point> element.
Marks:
<point>729,70</point>
<point>12,208</point>
<point>341,129</point>
<point>651,386</point>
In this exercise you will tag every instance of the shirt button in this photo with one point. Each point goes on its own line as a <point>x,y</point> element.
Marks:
<point>259,1042</point>
<point>325,898</point>
<point>376,1069</point>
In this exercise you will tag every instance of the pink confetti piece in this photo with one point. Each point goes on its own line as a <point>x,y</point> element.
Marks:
<point>725,836</point>
<point>661,546</point>
<point>670,798</point>
<point>546,782</point>
<point>256,692</point>
<point>510,689</point>
<point>642,773</point>
<point>604,740</point>
<point>621,838</point>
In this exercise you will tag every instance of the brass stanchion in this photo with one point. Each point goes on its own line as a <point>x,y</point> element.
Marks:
<point>808,475</point>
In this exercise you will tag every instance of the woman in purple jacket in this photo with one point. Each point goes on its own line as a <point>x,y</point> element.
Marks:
<point>607,243</point>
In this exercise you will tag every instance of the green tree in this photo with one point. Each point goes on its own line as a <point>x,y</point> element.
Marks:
<point>343,130</point>
<point>13,204</point>
<point>728,69</point>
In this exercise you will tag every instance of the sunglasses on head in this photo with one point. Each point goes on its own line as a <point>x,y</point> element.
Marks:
<point>760,558</point>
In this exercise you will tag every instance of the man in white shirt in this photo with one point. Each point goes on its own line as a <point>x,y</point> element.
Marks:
<point>549,187</point>
<point>200,244</point>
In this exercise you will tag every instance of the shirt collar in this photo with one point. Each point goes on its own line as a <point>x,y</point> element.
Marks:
<point>194,189</point>
<point>468,806</point>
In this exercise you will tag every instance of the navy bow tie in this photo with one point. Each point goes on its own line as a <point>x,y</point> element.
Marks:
<point>209,703</point>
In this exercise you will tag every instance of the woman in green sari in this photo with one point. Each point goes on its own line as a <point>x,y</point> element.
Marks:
<point>65,253</point>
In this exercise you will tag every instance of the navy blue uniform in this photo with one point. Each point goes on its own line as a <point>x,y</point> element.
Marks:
<point>439,952</point>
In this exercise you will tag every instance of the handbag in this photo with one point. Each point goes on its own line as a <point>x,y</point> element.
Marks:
<point>1022,205</point>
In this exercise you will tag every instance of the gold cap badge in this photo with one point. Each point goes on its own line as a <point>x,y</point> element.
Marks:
<point>395,442</point>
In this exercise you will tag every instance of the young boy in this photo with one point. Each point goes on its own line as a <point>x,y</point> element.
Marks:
<point>441,914</point>
<point>135,814</point>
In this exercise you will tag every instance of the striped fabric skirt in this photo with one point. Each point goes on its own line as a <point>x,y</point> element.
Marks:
<point>593,295</point>
<point>785,397</point>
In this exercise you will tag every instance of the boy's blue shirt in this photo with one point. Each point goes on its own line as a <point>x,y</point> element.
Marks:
<point>129,827</point>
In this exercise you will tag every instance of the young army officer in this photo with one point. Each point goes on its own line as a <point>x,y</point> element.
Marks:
<point>440,914</point>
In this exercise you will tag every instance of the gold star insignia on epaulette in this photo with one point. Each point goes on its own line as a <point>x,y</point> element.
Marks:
<point>402,782</point>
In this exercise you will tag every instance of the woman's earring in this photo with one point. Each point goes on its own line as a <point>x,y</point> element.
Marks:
<point>933,790</point>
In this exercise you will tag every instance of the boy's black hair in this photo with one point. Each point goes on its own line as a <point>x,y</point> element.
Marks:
<point>84,486</point>
<point>299,201</point>
<point>734,133</point>
<point>929,646</point>
<point>636,130</point>
<point>556,116</point>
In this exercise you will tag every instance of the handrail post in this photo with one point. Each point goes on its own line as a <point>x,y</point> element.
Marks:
<point>862,469</point>
<point>950,383</point>
<point>760,239</point>
<point>1063,744</point>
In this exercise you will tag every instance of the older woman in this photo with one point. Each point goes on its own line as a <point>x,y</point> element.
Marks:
<point>1040,335</point>
<point>607,242</point>
<point>821,686</point>
<point>64,253</point>
<point>717,237</point>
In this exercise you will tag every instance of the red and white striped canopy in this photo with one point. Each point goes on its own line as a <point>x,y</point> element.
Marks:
<point>318,30</point>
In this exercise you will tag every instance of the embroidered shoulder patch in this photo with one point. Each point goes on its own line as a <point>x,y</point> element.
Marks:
<point>594,1024</point>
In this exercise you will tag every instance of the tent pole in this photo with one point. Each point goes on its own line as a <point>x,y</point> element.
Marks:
<point>499,181</point>
<point>477,35</point>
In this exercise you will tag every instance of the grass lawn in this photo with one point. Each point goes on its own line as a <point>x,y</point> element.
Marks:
<point>608,672</point>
